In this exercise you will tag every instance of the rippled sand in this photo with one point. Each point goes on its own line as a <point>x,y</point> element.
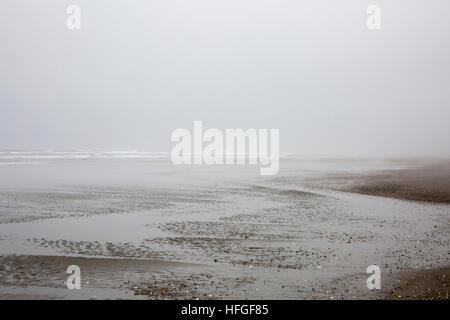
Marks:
<point>141,228</point>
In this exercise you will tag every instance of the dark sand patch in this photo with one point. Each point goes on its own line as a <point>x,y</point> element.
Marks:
<point>424,182</point>
<point>431,284</point>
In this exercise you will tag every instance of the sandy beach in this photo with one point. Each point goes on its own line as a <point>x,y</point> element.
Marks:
<point>225,150</point>
<point>141,228</point>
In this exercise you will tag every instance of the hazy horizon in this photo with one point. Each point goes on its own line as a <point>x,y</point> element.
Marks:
<point>136,71</point>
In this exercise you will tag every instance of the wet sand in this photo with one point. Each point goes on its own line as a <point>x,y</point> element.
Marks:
<point>429,181</point>
<point>431,284</point>
<point>219,233</point>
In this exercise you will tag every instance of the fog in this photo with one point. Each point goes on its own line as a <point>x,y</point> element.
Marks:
<point>137,70</point>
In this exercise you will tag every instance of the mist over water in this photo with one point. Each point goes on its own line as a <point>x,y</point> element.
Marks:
<point>136,71</point>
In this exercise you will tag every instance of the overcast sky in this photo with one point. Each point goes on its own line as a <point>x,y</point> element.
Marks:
<point>137,70</point>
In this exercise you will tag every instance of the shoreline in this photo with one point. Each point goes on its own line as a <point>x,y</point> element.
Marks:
<point>220,237</point>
